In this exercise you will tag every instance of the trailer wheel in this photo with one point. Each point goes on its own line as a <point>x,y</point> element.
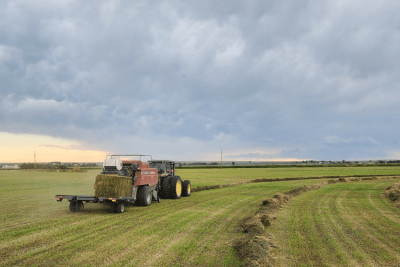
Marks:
<point>79,206</point>
<point>113,208</point>
<point>120,207</point>
<point>175,190</point>
<point>72,206</point>
<point>186,187</point>
<point>144,196</point>
<point>165,184</point>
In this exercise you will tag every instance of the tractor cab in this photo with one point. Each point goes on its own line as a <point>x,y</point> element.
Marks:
<point>164,167</point>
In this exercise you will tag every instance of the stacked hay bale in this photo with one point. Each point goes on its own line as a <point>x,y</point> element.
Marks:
<point>113,186</point>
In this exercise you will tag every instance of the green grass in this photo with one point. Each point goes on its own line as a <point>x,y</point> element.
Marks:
<point>207,177</point>
<point>343,224</point>
<point>193,231</point>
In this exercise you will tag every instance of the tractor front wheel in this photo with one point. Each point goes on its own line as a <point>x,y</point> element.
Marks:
<point>186,187</point>
<point>175,190</point>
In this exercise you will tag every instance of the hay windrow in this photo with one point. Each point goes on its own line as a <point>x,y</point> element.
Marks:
<point>254,245</point>
<point>393,193</point>
<point>113,186</point>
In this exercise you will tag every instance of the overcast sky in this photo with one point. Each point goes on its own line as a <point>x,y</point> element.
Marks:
<point>184,79</point>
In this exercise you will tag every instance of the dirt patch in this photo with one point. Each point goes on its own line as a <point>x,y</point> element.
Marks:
<point>393,193</point>
<point>254,245</point>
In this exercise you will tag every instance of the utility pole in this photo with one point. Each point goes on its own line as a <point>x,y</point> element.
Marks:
<point>221,158</point>
<point>34,160</point>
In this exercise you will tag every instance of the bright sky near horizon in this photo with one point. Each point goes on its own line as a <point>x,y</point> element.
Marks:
<point>183,80</point>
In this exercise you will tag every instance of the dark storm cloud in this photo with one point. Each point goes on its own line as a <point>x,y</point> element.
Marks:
<point>311,79</point>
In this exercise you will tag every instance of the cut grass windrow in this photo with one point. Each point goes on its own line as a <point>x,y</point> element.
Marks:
<point>254,245</point>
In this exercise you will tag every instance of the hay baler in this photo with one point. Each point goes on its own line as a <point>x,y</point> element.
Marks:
<point>124,182</point>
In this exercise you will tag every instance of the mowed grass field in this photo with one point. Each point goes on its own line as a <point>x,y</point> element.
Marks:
<point>194,231</point>
<point>343,224</point>
<point>207,177</point>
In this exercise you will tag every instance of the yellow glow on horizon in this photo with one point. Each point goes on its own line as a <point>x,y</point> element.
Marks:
<point>19,148</point>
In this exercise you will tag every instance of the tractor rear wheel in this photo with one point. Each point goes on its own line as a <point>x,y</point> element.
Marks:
<point>72,206</point>
<point>186,187</point>
<point>175,189</point>
<point>144,196</point>
<point>165,184</point>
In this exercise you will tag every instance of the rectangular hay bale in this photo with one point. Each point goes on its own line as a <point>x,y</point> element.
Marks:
<point>113,186</point>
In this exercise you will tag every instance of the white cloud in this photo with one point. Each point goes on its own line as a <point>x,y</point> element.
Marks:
<point>333,139</point>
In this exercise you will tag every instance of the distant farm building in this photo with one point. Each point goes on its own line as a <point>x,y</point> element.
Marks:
<point>6,167</point>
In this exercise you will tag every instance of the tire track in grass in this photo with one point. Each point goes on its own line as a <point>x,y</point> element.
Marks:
<point>55,233</point>
<point>385,234</point>
<point>38,239</point>
<point>137,235</point>
<point>109,233</point>
<point>323,244</point>
<point>308,231</point>
<point>58,243</point>
<point>384,212</point>
<point>383,251</point>
<point>124,255</point>
<point>299,240</point>
<point>27,221</point>
<point>385,229</point>
<point>333,239</point>
<point>152,260</point>
<point>345,232</point>
<point>362,237</point>
<point>205,241</point>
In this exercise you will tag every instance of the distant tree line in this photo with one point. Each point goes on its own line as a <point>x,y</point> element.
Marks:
<point>41,166</point>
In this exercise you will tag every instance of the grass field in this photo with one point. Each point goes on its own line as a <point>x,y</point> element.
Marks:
<point>343,224</point>
<point>207,177</point>
<point>194,231</point>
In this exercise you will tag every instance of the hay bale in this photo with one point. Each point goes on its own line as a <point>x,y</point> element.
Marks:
<point>113,186</point>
